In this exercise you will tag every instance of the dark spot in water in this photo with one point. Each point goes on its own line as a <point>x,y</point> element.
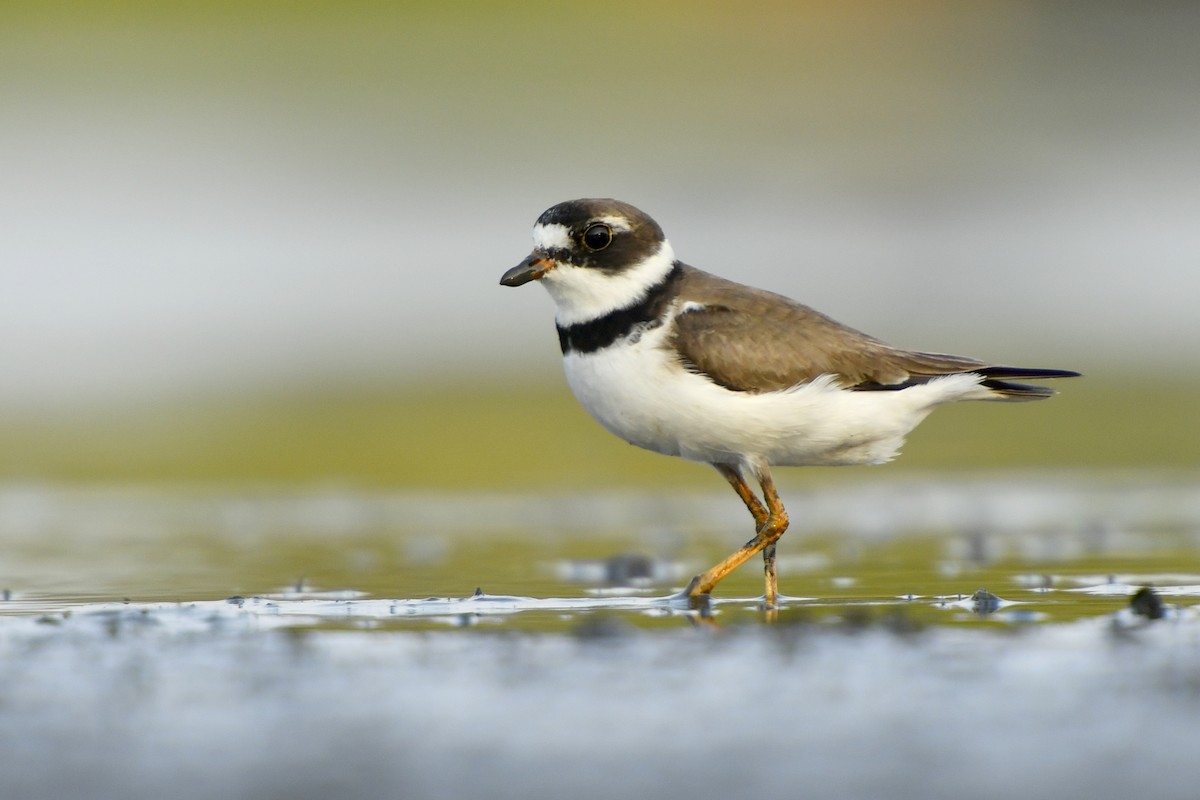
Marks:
<point>236,600</point>
<point>1146,603</point>
<point>984,602</point>
<point>900,622</point>
<point>855,619</point>
<point>602,628</point>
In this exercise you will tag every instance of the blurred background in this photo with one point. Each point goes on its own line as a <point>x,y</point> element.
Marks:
<point>253,346</point>
<point>260,241</point>
<point>252,343</point>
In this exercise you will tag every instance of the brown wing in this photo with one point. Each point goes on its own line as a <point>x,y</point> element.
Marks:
<point>755,341</point>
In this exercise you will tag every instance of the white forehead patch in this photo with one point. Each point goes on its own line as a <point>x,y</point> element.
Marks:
<point>551,237</point>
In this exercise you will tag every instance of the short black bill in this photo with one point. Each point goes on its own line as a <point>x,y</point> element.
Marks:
<point>528,270</point>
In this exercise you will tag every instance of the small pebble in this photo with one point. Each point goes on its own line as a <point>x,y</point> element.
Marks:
<point>1146,603</point>
<point>985,602</point>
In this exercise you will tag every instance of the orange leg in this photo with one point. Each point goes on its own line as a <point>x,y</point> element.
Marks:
<point>734,476</point>
<point>770,520</point>
<point>771,592</point>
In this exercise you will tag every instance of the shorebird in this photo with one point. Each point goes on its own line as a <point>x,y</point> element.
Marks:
<point>682,362</point>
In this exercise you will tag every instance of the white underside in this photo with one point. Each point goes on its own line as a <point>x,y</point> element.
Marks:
<point>637,391</point>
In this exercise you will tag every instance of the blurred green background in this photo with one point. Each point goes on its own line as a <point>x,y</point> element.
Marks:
<point>534,436</point>
<point>260,241</point>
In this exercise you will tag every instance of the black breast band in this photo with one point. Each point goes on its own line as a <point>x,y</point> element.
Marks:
<point>596,334</point>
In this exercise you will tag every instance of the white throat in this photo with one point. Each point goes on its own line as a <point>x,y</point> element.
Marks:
<point>581,294</point>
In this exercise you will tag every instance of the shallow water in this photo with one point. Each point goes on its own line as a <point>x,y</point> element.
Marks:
<point>939,638</point>
<point>1066,544</point>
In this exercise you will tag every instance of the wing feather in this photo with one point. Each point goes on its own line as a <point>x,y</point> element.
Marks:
<point>751,340</point>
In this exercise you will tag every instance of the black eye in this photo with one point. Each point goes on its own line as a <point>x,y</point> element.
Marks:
<point>597,237</point>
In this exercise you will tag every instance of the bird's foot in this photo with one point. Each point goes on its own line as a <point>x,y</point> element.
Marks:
<point>694,599</point>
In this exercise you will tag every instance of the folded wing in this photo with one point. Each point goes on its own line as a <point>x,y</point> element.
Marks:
<point>750,340</point>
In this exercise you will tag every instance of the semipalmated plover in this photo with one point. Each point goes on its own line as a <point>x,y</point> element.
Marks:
<point>684,363</point>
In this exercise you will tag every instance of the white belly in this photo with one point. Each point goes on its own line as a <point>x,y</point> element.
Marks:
<point>636,391</point>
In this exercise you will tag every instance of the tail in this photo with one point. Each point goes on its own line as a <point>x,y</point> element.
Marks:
<point>904,368</point>
<point>997,379</point>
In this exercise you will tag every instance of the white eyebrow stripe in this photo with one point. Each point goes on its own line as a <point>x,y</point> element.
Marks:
<point>618,223</point>
<point>551,237</point>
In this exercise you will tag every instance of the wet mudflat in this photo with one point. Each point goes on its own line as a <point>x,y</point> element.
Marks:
<point>989,638</point>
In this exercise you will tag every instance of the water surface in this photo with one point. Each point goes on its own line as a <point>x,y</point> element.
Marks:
<point>939,638</point>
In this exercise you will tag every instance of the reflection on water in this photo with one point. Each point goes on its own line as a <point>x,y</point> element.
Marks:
<point>942,639</point>
<point>1067,546</point>
<point>301,609</point>
<point>256,698</point>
